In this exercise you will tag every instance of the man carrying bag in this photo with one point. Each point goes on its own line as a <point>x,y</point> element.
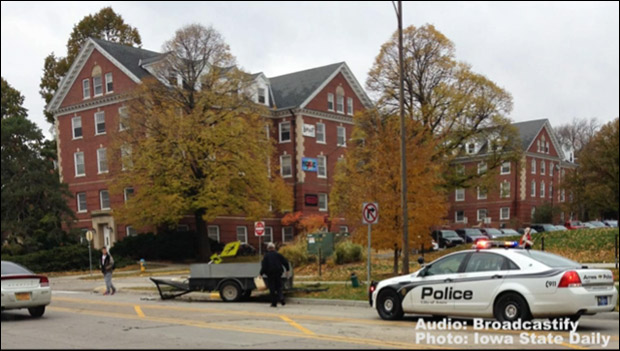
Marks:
<point>273,265</point>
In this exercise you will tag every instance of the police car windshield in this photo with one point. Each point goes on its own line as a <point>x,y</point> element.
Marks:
<point>449,234</point>
<point>549,259</point>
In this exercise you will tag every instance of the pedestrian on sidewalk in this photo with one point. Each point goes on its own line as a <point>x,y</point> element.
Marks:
<point>273,265</point>
<point>107,267</point>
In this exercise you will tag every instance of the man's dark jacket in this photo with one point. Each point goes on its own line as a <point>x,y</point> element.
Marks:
<point>273,264</point>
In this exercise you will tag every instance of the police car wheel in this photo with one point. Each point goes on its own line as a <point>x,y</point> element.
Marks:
<point>230,292</point>
<point>511,307</point>
<point>389,306</point>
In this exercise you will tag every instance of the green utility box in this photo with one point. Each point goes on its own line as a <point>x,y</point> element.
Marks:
<point>326,241</point>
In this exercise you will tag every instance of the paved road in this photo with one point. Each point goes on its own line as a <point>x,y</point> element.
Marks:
<point>81,319</point>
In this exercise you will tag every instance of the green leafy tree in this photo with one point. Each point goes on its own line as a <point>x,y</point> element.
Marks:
<point>105,24</point>
<point>196,143</point>
<point>34,202</point>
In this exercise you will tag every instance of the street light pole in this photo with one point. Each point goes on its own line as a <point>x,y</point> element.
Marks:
<point>403,150</point>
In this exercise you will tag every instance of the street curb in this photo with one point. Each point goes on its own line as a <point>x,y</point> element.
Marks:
<point>328,302</point>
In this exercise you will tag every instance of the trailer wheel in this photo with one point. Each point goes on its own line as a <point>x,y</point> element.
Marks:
<point>230,291</point>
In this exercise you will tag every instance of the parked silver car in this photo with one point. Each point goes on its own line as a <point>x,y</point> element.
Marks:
<point>21,288</point>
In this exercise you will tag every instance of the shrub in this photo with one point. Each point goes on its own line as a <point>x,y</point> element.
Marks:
<point>297,252</point>
<point>348,252</point>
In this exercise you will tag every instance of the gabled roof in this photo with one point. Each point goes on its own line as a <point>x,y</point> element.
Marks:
<point>528,131</point>
<point>129,56</point>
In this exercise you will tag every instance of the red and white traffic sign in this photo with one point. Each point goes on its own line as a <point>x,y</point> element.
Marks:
<point>259,228</point>
<point>370,213</point>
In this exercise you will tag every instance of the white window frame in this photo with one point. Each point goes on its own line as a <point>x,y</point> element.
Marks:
<point>95,86</point>
<point>292,234</point>
<point>330,101</point>
<point>346,229</point>
<point>478,212</point>
<point>551,167</point>
<point>504,193</point>
<point>547,149</point>
<point>457,192</point>
<point>343,136</point>
<point>482,167</point>
<point>350,106</point>
<point>563,195</point>
<point>101,192</point>
<point>125,192</point>
<point>501,213</point>
<point>245,233</point>
<point>96,116</point>
<point>75,120</point>
<point>75,161</point>
<point>542,189</point>
<point>533,188</point>
<point>108,81</point>
<point>126,162</point>
<point>86,88</point>
<point>321,160</point>
<point>543,167</point>
<point>79,208</point>
<point>122,116</point>
<point>533,166</point>
<point>270,230</point>
<point>456,216</point>
<point>102,161</point>
<point>323,195</point>
<point>506,168</point>
<point>340,104</point>
<point>320,133</point>
<point>217,232</point>
<point>482,196</point>
<point>280,126</point>
<point>550,190</point>
<point>130,231</point>
<point>290,158</point>
<point>258,95</point>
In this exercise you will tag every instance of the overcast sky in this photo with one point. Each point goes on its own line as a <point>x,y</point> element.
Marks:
<point>559,60</point>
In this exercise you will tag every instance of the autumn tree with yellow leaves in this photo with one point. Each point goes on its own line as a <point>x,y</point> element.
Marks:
<point>194,142</point>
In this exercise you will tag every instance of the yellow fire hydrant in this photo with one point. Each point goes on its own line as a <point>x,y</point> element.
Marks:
<point>142,265</point>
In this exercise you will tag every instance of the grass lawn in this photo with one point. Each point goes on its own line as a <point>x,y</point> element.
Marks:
<point>335,291</point>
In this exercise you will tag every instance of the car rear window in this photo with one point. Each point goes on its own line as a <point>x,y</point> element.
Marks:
<point>449,234</point>
<point>493,231</point>
<point>473,232</point>
<point>549,259</point>
<point>13,268</point>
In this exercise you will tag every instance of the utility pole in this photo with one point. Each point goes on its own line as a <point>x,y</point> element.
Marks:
<point>403,134</point>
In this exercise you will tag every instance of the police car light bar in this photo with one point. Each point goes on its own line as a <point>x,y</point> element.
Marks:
<point>487,244</point>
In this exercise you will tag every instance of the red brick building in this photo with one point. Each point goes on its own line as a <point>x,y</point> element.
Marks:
<point>310,113</point>
<point>521,186</point>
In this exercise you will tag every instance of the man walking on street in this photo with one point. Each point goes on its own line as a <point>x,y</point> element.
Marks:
<point>273,265</point>
<point>107,267</point>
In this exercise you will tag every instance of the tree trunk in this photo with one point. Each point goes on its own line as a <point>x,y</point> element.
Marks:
<point>396,251</point>
<point>204,246</point>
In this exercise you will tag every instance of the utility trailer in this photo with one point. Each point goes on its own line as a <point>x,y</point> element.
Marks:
<point>234,281</point>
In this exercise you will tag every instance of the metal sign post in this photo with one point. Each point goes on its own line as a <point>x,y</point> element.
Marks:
<point>89,238</point>
<point>370,216</point>
<point>259,231</point>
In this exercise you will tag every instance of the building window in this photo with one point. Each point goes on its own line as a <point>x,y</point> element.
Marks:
<point>547,147</point>
<point>285,132</point>
<point>242,234</point>
<point>130,231</point>
<point>343,229</point>
<point>459,216</point>
<point>213,232</point>
<point>123,118</point>
<point>76,124</point>
<point>126,161</point>
<point>470,148</point>
<point>261,95</point>
<point>505,168</point>
<point>542,189</point>
<point>538,145</point>
<point>482,214</point>
<point>322,202</point>
<point>504,213</point>
<point>533,212</point>
<point>340,104</point>
<point>182,228</point>
<point>104,199</point>
<point>81,202</point>
<point>551,167</point>
<point>97,86</point>
<point>99,123</point>
<point>350,106</point>
<point>86,88</point>
<point>342,136</point>
<point>459,195</point>
<point>482,193</point>
<point>79,164</point>
<point>320,133</point>
<point>287,234</point>
<point>505,189</point>
<point>330,102</point>
<point>543,167</point>
<point>551,190</point>
<point>482,167</point>
<point>128,193</point>
<point>533,189</point>
<point>109,83</point>
<point>286,168</point>
<point>563,195</point>
<point>533,166</point>
<point>102,160</point>
<point>268,236</point>
<point>321,166</point>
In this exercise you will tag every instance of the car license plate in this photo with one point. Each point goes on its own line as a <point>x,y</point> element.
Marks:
<point>22,296</point>
<point>602,300</point>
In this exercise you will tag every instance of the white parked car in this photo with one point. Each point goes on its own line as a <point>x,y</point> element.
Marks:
<point>505,283</point>
<point>22,288</point>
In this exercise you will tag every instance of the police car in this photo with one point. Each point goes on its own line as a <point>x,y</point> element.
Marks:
<point>497,280</point>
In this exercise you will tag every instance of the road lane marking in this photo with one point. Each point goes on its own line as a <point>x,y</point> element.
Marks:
<point>296,325</point>
<point>244,329</point>
<point>138,311</point>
